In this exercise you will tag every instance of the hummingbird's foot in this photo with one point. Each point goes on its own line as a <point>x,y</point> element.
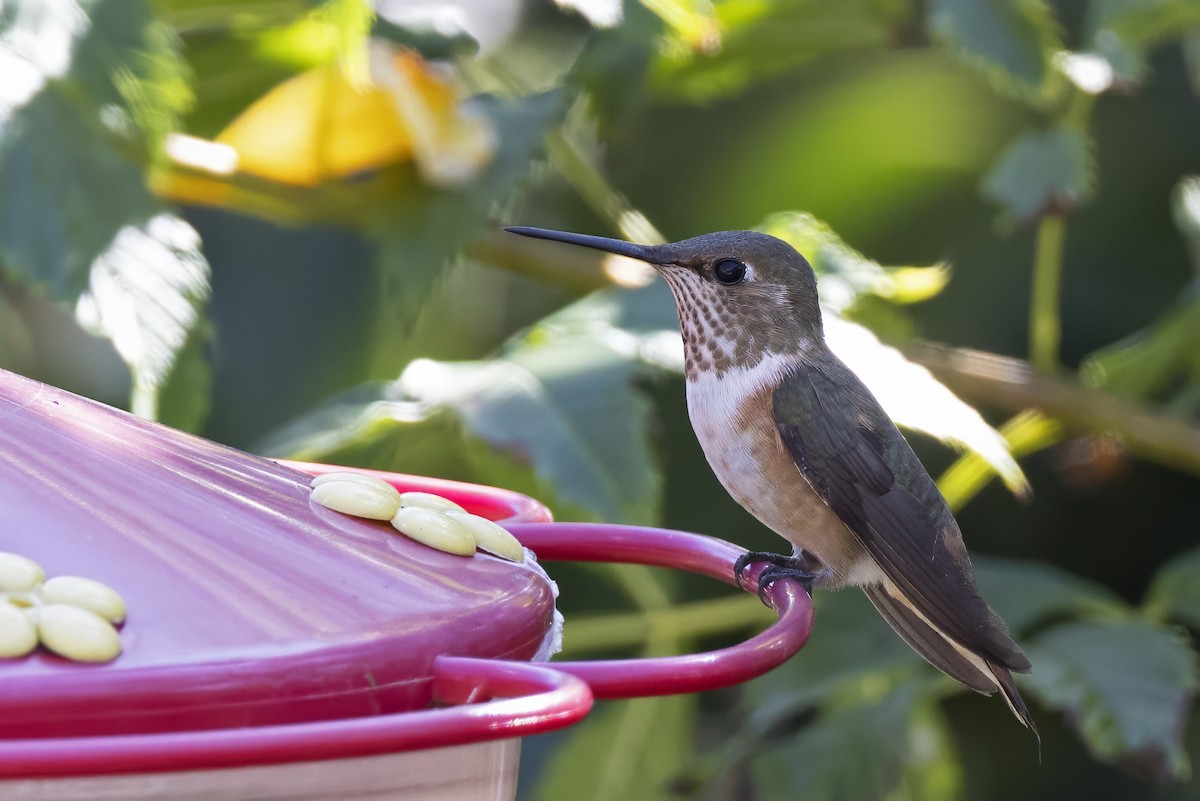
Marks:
<point>799,566</point>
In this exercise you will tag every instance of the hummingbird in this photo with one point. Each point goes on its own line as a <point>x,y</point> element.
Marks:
<point>798,440</point>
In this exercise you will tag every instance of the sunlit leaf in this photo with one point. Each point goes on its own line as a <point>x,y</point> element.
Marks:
<point>1026,594</point>
<point>762,40</point>
<point>694,23</point>
<point>1012,42</point>
<point>146,293</point>
<point>1042,172</point>
<point>1175,591</point>
<point>1126,686</point>
<point>915,399</point>
<point>331,30</point>
<point>1185,203</point>
<point>600,13</point>
<point>630,750</point>
<point>843,273</point>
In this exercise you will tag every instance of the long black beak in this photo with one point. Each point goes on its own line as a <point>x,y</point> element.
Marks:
<point>647,253</point>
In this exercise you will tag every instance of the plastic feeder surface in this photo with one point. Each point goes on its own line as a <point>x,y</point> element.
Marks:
<point>265,629</point>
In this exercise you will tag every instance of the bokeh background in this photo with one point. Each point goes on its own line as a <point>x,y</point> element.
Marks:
<point>278,224</point>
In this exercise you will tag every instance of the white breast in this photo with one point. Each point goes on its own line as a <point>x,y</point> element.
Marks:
<point>736,430</point>
<point>731,439</point>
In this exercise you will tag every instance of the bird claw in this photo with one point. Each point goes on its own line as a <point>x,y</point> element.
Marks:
<point>779,566</point>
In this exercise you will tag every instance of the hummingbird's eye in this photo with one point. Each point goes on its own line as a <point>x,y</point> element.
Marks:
<point>729,271</point>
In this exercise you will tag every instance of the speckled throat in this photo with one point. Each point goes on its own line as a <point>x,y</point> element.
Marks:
<point>725,330</point>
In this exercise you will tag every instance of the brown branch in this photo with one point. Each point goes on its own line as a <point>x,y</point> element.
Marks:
<point>1011,384</point>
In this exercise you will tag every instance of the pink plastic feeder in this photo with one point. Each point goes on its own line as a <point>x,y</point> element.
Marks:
<point>274,648</point>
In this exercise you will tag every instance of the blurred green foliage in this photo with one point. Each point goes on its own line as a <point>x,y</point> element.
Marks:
<point>1036,154</point>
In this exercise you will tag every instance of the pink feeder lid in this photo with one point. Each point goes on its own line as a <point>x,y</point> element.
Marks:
<point>248,605</point>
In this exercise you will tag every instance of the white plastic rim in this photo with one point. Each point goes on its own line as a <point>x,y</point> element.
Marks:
<point>485,771</point>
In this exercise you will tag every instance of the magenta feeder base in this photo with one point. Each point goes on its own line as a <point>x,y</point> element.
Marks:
<point>274,648</point>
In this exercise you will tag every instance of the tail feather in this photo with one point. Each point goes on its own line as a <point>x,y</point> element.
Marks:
<point>979,672</point>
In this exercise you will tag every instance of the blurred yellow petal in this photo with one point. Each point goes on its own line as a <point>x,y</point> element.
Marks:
<point>320,125</point>
<point>451,143</point>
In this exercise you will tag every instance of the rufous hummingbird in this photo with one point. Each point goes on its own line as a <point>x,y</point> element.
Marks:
<point>798,440</point>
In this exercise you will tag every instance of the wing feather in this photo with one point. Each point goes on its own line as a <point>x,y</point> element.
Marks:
<point>856,460</point>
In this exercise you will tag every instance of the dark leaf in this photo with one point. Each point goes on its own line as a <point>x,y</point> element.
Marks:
<point>1012,42</point>
<point>850,646</point>
<point>1175,592</point>
<point>850,751</point>
<point>631,750</point>
<point>1124,31</point>
<point>1126,687</point>
<point>71,151</point>
<point>427,36</point>
<point>1028,593</point>
<point>423,228</point>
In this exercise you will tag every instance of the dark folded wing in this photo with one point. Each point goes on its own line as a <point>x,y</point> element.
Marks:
<point>854,458</point>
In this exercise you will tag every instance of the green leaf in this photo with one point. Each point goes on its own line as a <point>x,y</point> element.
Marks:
<point>147,293</point>
<point>763,40</point>
<point>421,229</point>
<point>70,152</point>
<point>129,60</point>
<point>1175,591</point>
<point>1161,363</point>
<point>852,653</point>
<point>848,752</point>
<point>566,410</point>
<point>428,32</point>
<point>1125,685</point>
<point>1185,205</point>
<point>1026,594</point>
<point>1042,172</point>
<point>185,394</point>
<point>561,411</point>
<point>1011,41</point>
<point>614,67</point>
<point>630,750</point>
<point>1124,31</point>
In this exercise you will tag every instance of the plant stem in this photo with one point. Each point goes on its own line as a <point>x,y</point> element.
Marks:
<point>1008,383</point>
<point>1044,322</point>
<point>691,620</point>
<point>1026,433</point>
